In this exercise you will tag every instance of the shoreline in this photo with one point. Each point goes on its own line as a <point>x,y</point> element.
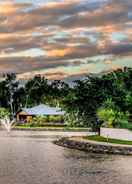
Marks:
<point>81,144</point>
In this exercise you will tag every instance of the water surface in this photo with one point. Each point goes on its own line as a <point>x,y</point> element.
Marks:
<point>32,158</point>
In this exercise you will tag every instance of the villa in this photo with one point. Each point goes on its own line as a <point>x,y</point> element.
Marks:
<point>26,114</point>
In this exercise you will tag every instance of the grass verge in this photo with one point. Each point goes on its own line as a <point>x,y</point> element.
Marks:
<point>63,128</point>
<point>109,140</point>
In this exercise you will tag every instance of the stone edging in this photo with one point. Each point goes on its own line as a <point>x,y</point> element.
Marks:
<point>93,147</point>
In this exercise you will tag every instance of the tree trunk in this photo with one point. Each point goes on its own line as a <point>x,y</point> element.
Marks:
<point>98,131</point>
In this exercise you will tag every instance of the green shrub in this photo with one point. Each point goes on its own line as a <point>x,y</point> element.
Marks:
<point>55,119</point>
<point>72,120</point>
<point>112,117</point>
<point>4,113</point>
<point>123,124</point>
<point>126,125</point>
<point>42,120</point>
<point>38,120</point>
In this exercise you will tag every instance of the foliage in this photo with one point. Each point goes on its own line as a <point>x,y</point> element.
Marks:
<point>11,94</point>
<point>112,117</point>
<point>55,119</point>
<point>41,120</point>
<point>4,113</point>
<point>125,125</point>
<point>38,120</point>
<point>88,103</point>
<point>35,89</point>
<point>72,120</point>
<point>82,101</point>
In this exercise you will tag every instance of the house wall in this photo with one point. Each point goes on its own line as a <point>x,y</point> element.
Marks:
<point>116,133</point>
<point>29,118</point>
<point>26,117</point>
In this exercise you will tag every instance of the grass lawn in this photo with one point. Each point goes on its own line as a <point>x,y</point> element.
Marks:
<point>39,127</point>
<point>103,139</point>
<point>53,127</point>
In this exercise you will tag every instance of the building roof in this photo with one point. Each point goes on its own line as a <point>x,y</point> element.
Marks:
<point>43,110</point>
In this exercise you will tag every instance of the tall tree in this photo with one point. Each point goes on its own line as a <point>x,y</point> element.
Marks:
<point>35,89</point>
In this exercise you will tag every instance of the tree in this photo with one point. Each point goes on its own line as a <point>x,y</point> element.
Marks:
<point>89,95</point>
<point>58,90</point>
<point>84,103</point>
<point>4,113</point>
<point>35,89</point>
<point>8,90</point>
<point>84,99</point>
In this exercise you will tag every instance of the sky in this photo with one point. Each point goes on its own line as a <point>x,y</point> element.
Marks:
<point>64,39</point>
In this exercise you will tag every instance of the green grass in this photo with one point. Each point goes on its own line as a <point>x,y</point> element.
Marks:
<point>43,127</point>
<point>52,127</point>
<point>103,139</point>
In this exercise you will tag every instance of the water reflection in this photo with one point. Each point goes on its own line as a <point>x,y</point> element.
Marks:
<point>25,159</point>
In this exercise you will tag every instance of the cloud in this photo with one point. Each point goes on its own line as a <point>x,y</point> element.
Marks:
<point>41,35</point>
<point>58,53</point>
<point>8,8</point>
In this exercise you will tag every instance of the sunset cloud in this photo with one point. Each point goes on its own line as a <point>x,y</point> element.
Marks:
<point>58,53</point>
<point>50,37</point>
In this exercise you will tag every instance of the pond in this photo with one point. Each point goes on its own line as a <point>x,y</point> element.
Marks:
<point>32,158</point>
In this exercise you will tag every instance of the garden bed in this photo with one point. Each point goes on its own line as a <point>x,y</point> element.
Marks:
<point>92,144</point>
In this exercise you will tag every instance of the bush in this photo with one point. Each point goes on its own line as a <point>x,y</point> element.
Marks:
<point>125,125</point>
<point>55,119</point>
<point>42,120</point>
<point>107,116</point>
<point>112,117</point>
<point>73,120</point>
<point>4,113</point>
<point>38,120</point>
